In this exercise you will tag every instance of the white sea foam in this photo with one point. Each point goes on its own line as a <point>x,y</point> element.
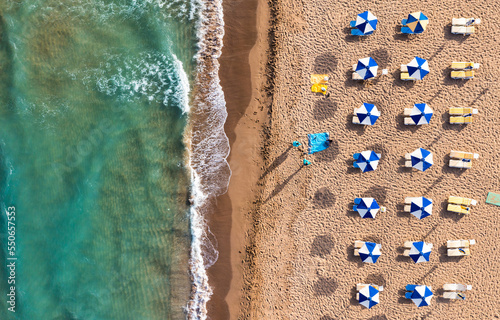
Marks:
<point>210,148</point>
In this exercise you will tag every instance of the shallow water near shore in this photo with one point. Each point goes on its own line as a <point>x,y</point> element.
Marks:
<point>93,109</point>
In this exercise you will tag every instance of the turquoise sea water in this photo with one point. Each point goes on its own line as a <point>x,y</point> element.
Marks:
<point>93,95</point>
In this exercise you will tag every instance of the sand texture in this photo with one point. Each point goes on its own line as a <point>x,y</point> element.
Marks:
<point>301,247</point>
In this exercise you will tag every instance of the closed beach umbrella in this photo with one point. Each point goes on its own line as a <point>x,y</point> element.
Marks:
<point>367,207</point>
<point>417,22</point>
<point>421,159</point>
<point>370,252</point>
<point>421,113</point>
<point>366,22</point>
<point>418,68</point>
<point>369,296</point>
<point>366,68</point>
<point>422,296</point>
<point>420,251</point>
<point>367,114</point>
<point>421,207</point>
<point>367,161</point>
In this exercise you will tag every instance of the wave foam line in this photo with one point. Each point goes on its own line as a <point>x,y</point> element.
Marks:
<point>209,148</point>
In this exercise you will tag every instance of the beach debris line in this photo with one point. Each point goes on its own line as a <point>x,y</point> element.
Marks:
<point>421,295</point>
<point>365,69</point>
<point>367,114</point>
<point>367,207</point>
<point>366,160</point>
<point>419,159</point>
<point>418,251</point>
<point>364,24</point>
<point>415,23</point>
<point>369,252</point>
<point>420,207</point>
<point>368,294</point>
<point>420,114</point>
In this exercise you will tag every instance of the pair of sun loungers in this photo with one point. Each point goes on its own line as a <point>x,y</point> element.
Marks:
<point>459,248</point>
<point>464,26</point>
<point>405,75</point>
<point>461,115</point>
<point>463,160</point>
<point>460,205</point>
<point>463,70</point>
<point>455,291</point>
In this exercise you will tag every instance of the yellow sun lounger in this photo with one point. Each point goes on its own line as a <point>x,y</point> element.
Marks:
<point>462,30</point>
<point>319,88</point>
<point>463,155</point>
<point>406,76</point>
<point>464,65</point>
<point>462,111</point>
<point>452,244</point>
<point>469,74</point>
<point>319,78</point>
<point>458,208</point>
<point>458,252</point>
<point>462,201</point>
<point>461,120</point>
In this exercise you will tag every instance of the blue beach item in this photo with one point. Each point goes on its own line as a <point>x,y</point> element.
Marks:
<point>422,296</point>
<point>418,68</point>
<point>366,160</point>
<point>421,113</point>
<point>421,159</point>
<point>366,68</point>
<point>296,144</point>
<point>367,114</point>
<point>369,296</point>
<point>366,207</point>
<point>421,207</point>
<point>318,142</point>
<point>370,252</point>
<point>366,22</point>
<point>417,22</point>
<point>420,251</point>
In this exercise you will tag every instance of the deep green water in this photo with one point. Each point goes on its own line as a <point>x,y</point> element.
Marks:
<point>92,157</point>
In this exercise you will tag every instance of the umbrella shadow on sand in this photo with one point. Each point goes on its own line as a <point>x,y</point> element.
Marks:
<point>323,198</point>
<point>322,246</point>
<point>325,63</point>
<point>324,109</point>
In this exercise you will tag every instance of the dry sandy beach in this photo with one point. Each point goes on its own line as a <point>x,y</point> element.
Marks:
<point>289,252</point>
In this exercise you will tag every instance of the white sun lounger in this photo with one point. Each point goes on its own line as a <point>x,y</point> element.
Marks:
<point>356,76</point>
<point>458,252</point>
<point>463,155</point>
<point>456,287</point>
<point>462,30</point>
<point>453,295</point>
<point>452,244</point>
<point>465,21</point>
<point>462,164</point>
<point>458,111</point>
<point>462,201</point>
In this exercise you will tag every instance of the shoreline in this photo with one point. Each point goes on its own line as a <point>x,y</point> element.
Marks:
<point>241,77</point>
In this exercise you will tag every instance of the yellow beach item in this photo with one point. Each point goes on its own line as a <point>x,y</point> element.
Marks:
<point>319,88</point>
<point>319,78</point>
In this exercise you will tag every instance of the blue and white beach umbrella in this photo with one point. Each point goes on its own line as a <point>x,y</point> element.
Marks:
<point>421,113</point>
<point>370,252</point>
<point>417,22</point>
<point>367,207</point>
<point>418,68</point>
<point>367,161</point>
<point>367,114</point>
<point>422,296</point>
<point>366,22</point>
<point>421,207</point>
<point>420,251</point>
<point>369,296</point>
<point>366,68</point>
<point>421,159</point>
